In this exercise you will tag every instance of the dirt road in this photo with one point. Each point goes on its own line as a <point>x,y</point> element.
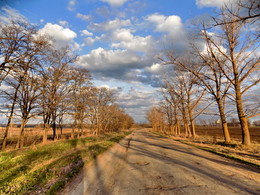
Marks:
<point>145,163</point>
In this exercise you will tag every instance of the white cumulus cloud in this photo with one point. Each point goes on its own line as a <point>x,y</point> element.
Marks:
<point>88,41</point>
<point>125,39</point>
<point>108,60</point>
<point>63,23</point>
<point>86,33</point>
<point>169,24</point>
<point>109,25</point>
<point>115,3</point>
<point>156,18</point>
<point>84,17</point>
<point>62,36</point>
<point>154,68</point>
<point>214,3</point>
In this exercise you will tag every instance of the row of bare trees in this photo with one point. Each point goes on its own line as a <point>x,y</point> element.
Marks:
<point>39,80</point>
<point>221,63</point>
<point>183,101</point>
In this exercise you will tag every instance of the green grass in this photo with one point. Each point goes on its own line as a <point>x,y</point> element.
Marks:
<point>47,168</point>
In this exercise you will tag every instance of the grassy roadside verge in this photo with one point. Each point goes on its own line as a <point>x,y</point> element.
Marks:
<point>216,149</point>
<point>220,153</point>
<point>46,169</point>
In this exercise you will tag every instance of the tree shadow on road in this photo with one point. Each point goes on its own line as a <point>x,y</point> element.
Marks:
<point>214,174</point>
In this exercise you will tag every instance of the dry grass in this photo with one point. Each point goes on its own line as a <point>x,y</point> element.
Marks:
<point>211,138</point>
<point>235,148</point>
<point>33,136</point>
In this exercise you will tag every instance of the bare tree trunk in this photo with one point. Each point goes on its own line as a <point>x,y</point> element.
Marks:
<point>172,130</point>
<point>185,122</point>
<point>98,126</point>
<point>6,134</point>
<point>192,125</point>
<point>8,126</point>
<point>178,128</point>
<point>72,133</point>
<point>79,130</point>
<point>45,134</point>
<point>20,141</point>
<point>72,136</point>
<point>193,130</point>
<point>10,118</point>
<point>54,130</point>
<point>223,121</point>
<point>176,121</point>
<point>242,118</point>
<point>61,128</point>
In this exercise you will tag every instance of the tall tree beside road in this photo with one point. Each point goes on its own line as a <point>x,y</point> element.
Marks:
<point>55,86</point>
<point>79,96</point>
<point>21,50</point>
<point>237,43</point>
<point>228,64</point>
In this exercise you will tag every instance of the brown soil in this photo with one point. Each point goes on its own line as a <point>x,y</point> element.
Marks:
<point>235,133</point>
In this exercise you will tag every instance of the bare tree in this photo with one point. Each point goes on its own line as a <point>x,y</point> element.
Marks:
<point>55,86</point>
<point>127,121</point>
<point>12,97</point>
<point>104,115</point>
<point>246,11</point>
<point>205,67</point>
<point>103,98</point>
<point>79,96</point>
<point>168,111</point>
<point>237,44</point>
<point>171,96</point>
<point>22,51</point>
<point>181,93</point>
<point>156,118</point>
<point>27,101</point>
<point>17,39</point>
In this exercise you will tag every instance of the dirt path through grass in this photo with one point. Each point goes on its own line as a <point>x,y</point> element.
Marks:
<point>145,163</point>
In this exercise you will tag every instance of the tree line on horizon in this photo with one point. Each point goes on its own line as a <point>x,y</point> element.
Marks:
<point>220,67</point>
<point>39,80</point>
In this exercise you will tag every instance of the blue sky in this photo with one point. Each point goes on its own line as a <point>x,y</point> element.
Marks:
<point>118,40</point>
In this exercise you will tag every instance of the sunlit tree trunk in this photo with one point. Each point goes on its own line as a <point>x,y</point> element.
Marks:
<point>192,125</point>
<point>223,121</point>
<point>242,118</point>
<point>185,121</point>
<point>20,141</point>
<point>10,119</point>
<point>45,134</point>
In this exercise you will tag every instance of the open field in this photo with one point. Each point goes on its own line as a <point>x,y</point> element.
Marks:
<point>34,135</point>
<point>46,169</point>
<point>235,133</point>
<point>14,132</point>
<point>211,139</point>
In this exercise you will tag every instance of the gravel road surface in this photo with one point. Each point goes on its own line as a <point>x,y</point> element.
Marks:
<point>145,163</point>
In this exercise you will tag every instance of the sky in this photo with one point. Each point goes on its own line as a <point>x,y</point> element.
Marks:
<point>118,41</point>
